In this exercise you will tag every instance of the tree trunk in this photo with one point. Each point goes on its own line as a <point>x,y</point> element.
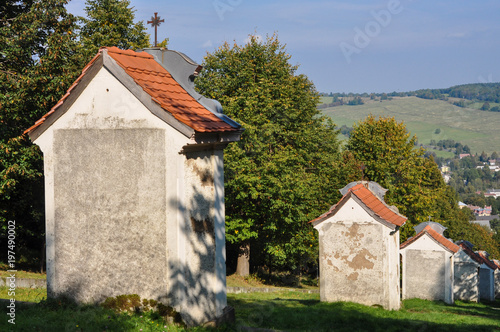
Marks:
<point>243,264</point>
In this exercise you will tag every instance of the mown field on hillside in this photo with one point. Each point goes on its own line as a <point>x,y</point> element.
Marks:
<point>479,130</point>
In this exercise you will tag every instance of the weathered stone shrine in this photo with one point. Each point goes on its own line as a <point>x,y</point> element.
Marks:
<point>428,264</point>
<point>134,190</point>
<point>359,248</point>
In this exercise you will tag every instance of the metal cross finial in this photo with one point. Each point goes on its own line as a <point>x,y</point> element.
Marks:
<point>429,219</point>
<point>155,22</point>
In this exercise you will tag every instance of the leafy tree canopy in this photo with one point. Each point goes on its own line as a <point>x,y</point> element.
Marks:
<point>39,58</point>
<point>282,172</point>
<point>111,23</point>
<point>390,157</point>
<point>41,54</point>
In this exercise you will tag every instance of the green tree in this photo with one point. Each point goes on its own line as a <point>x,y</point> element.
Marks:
<point>39,58</point>
<point>282,173</point>
<point>486,106</point>
<point>41,54</point>
<point>9,9</point>
<point>111,23</point>
<point>391,158</point>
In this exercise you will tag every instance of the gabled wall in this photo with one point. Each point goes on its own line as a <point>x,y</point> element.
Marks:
<point>359,259</point>
<point>427,270</point>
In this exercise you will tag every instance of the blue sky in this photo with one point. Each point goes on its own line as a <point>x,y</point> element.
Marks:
<point>346,46</point>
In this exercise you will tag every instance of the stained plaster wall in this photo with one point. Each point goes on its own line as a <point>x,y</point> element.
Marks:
<point>466,278</point>
<point>359,259</point>
<point>427,271</point>
<point>119,203</point>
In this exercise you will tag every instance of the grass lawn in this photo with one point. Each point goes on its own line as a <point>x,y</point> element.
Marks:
<point>24,274</point>
<point>294,311</point>
<point>281,310</point>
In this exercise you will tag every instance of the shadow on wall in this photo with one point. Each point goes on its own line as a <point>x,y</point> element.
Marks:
<point>196,284</point>
<point>466,282</point>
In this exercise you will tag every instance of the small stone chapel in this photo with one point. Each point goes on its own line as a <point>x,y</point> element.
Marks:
<point>134,184</point>
<point>428,264</point>
<point>359,248</point>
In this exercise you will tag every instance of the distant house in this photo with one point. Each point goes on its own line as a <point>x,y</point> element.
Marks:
<point>445,169</point>
<point>480,211</point>
<point>483,223</point>
<point>492,193</point>
<point>359,248</point>
<point>428,264</point>
<point>466,273</point>
<point>463,155</point>
<point>461,205</point>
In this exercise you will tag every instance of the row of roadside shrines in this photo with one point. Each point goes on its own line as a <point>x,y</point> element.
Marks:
<point>361,258</point>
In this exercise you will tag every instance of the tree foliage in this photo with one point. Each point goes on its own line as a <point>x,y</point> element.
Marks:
<point>111,23</point>
<point>281,174</point>
<point>39,59</point>
<point>41,54</point>
<point>414,183</point>
<point>390,158</point>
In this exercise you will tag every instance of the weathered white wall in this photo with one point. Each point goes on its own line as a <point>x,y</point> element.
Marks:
<point>466,278</point>
<point>123,203</point>
<point>427,271</point>
<point>359,259</point>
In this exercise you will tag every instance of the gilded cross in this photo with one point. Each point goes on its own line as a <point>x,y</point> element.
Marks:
<point>155,22</point>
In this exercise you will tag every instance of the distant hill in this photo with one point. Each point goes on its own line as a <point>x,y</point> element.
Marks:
<point>484,96</point>
<point>430,119</point>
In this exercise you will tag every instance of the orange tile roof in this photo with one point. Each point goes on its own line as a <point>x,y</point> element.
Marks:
<point>371,201</point>
<point>436,236</point>
<point>66,95</point>
<point>156,81</point>
<point>486,261</point>
<point>471,253</point>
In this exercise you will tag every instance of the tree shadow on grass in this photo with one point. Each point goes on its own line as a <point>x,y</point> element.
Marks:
<point>311,315</point>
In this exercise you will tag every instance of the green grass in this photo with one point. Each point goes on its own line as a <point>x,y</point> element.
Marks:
<point>281,310</point>
<point>325,100</point>
<point>24,274</point>
<point>479,130</point>
<point>25,294</point>
<point>293,311</point>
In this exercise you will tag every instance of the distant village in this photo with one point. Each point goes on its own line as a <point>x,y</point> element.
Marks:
<point>484,214</point>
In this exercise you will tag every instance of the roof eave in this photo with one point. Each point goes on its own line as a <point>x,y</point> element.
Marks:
<point>72,94</point>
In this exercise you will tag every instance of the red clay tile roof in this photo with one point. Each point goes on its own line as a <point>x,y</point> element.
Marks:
<point>155,80</point>
<point>63,99</point>
<point>436,236</point>
<point>370,201</point>
<point>471,253</point>
<point>486,261</point>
